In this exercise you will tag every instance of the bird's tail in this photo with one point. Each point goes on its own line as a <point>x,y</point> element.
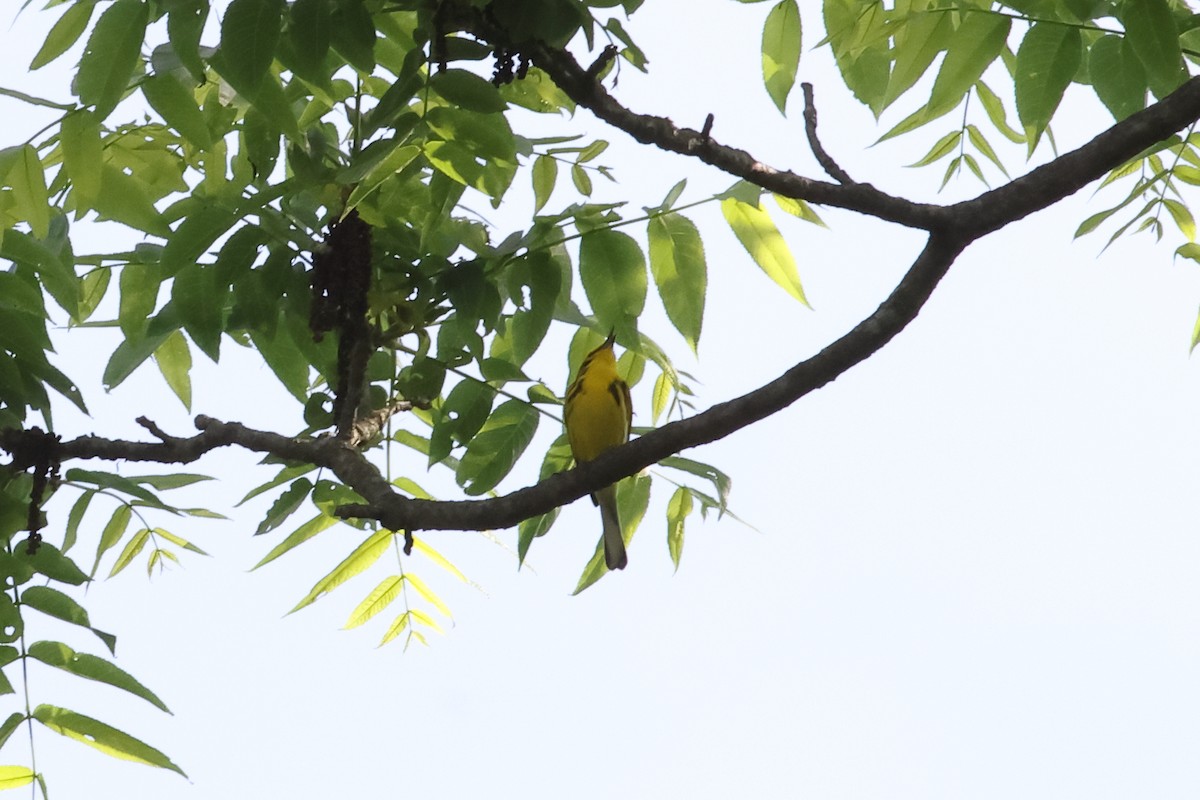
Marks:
<point>614,543</point>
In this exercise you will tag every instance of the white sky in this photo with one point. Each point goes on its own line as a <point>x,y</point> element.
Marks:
<point>974,572</point>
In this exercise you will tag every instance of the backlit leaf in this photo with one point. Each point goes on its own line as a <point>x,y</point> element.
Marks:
<point>781,51</point>
<point>249,33</point>
<point>102,737</point>
<point>111,54</point>
<point>762,240</point>
<point>680,272</point>
<point>1046,64</point>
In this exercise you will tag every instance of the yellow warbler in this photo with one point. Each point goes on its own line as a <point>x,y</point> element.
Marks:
<point>598,415</point>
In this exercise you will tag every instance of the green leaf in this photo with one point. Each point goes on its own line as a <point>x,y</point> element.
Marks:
<point>286,474</point>
<point>118,482</point>
<point>1196,327</point>
<point>103,737</point>
<point>177,106</point>
<point>308,28</point>
<point>942,148</point>
<point>427,593</point>
<point>1118,77</point>
<point>762,240</point>
<point>134,546</point>
<point>31,201</point>
<point>12,622</point>
<point>92,288</point>
<point>494,451</point>
<point>75,516</point>
<point>545,175</point>
<point>781,51</point>
<point>379,599</point>
<point>111,54</point>
<point>249,34</point>
<point>1154,37</point>
<point>720,481</point>
<point>49,561</point>
<point>542,274</point>
<point>798,209</point>
<point>1046,63</point>
<point>396,628</point>
<point>174,361</point>
<point>981,144</point>
<point>352,34</point>
<point>613,272</point>
<point>286,360</point>
<point>918,43</point>
<point>392,164</point>
<point>359,560</point>
<point>10,726</point>
<point>198,298</point>
<point>179,540</point>
<point>859,36</point>
<point>57,278</point>
<point>558,458</point>
<point>582,181</point>
<point>460,417</point>
<point>193,238</point>
<point>1183,218</point>
<point>129,355</point>
<point>93,668</point>
<point>308,530</point>
<point>14,777</point>
<point>680,272</point>
<point>975,45</point>
<point>83,155</point>
<point>56,604</point>
<point>468,90</point>
<point>437,558</point>
<point>995,111</point>
<point>65,32</point>
<point>113,531</point>
<point>284,506</point>
<point>185,23</point>
<point>425,619</point>
<point>631,52</point>
<point>123,198</point>
<point>679,507</point>
<point>660,397</point>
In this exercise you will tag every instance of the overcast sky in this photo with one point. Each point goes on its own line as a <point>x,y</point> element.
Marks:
<point>972,571</point>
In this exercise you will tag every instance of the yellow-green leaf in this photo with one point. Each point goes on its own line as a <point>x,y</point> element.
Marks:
<point>379,599</point>
<point>15,777</point>
<point>174,360</point>
<point>680,272</point>
<point>103,737</point>
<point>762,240</point>
<point>781,51</point>
<point>362,557</point>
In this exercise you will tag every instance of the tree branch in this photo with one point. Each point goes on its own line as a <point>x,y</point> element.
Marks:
<point>831,167</point>
<point>952,229</point>
<point>664,134</point>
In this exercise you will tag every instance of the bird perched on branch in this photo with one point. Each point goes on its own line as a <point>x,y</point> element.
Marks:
<point>598,416</point>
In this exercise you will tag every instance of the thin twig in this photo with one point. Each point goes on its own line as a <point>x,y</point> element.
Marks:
<point>831,167</point>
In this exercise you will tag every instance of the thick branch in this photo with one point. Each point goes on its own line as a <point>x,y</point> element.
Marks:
<point>951,228</point>
<point>989,212</point>
<point>715,423</point>
<point>401,513</point>
<point>1072,171</point>
<point>662,133</point>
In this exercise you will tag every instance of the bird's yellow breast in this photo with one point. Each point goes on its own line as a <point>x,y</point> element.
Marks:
<point>597,411</point>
